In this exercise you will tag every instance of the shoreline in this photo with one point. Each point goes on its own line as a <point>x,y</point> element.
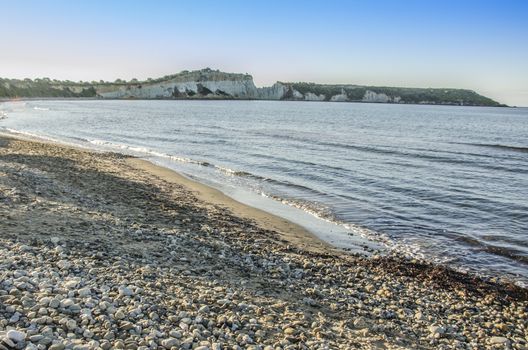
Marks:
<point>113,252</point>
<point>313,238</point>
<point>289,231</point>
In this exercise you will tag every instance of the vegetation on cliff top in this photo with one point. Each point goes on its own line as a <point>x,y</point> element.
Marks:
<point>403,95</point>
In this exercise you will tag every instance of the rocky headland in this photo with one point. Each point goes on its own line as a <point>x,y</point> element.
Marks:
<point>213,84</point>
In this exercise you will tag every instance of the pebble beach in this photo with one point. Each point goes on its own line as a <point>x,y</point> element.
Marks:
<point>104,251</point>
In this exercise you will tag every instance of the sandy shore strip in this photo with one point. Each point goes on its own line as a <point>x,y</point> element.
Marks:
<point>105,251</point>
<point>288,231</point>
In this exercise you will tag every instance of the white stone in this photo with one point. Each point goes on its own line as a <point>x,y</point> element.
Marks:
<point>169,343</point>
<point>176,334</point>
<point>119,315</point>
<point>499,340</point>
<point>71,324</point>
<point>14,318</point>
<point>8,342</point>
<point>67,302</point>
<point>204,309</point>
<point>436,329</point>
<point>64,265</point>
<point>16,336</point>
<point>54,303</point>
<point>125,291</point>
<point>84,292</point>
<point>71,283</point>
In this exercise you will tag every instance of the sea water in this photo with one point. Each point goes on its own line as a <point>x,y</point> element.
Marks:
<point>441,182</point>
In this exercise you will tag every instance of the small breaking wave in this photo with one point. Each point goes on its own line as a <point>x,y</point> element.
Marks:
<point>315,209</point>
<point>41,109</point>
<point>147,151</point>
<point>32,135</point>
<point>325,213</point>
<point>232,172</point>
<point>498,146</point>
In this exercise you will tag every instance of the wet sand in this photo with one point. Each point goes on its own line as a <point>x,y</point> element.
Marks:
<point>289,231</point>
<point>106,251</point>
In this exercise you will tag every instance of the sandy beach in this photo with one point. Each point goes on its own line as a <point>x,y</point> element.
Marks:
<point>106,251</point>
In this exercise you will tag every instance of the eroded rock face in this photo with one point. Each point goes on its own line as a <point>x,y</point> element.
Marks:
<point>244,88</point>
<point>275,92</point>
<point>371,96</point>
<point>310,96</point>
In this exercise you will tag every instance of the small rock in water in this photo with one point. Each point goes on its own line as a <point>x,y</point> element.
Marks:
<point>55,240</point>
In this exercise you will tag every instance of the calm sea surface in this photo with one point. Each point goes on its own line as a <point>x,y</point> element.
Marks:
<point>447,183</point>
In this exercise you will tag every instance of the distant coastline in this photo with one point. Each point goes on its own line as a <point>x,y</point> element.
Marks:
<point>208,84</point>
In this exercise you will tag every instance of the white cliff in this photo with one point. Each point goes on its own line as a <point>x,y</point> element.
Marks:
<point>310,96</point>
<point>274,92</point>
<point>233,88</point>
<point>342,97</point>
<point>371,96</point>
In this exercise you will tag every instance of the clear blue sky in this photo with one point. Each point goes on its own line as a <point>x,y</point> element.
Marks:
<point>480,45</point>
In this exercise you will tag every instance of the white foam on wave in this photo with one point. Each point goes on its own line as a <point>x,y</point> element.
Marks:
<point>32,135</point>
<point>3,112</point>
<point>145,151</point>
<point>317,210</point>
<point>407,249</point>
<point>226,171</point>
<point>324,213</point>
<point>232,172</point>
<point>41,109</point>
